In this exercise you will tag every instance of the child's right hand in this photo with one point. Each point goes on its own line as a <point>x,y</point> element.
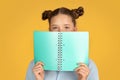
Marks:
<point>38,71</point>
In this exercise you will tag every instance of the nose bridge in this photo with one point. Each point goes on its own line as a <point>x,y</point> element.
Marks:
<point>61,29</point>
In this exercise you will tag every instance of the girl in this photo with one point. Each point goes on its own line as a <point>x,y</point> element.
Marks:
<point>62,19</point>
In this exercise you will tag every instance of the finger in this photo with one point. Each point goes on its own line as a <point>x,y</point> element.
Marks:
<point>81,71</point>
<point>82,64</point>
<point>38,70</point>
<point>38,66</point>
<point>82,68</point>
<point>39,63</point>
<point>77,68</point>
<point>85,66</point>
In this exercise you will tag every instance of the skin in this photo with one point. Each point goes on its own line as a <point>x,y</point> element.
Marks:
<point>61,22</point>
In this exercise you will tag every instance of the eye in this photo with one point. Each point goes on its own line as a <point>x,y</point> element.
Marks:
<point>54,27</point>
<point>66,27</point>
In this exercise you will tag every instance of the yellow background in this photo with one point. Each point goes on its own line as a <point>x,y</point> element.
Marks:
<point>19,18</point>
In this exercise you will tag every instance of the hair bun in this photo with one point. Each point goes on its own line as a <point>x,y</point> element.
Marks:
<point>78,12</point>
<point>46,14</point>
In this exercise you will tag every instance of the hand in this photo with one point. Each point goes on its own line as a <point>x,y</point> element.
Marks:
<point>38,71</point>
<point>82,72</point>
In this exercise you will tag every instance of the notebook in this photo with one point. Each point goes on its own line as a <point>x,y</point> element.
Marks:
<point>61,51</point>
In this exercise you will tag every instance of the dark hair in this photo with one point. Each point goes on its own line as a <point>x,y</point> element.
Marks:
<point>74,13</point>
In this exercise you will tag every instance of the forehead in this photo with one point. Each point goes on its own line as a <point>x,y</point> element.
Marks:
<point>61,19</point>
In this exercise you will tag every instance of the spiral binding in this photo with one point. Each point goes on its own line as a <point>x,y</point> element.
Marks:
<point>59,61</point>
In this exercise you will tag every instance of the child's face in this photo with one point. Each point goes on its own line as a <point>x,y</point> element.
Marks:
<point>62,22</point>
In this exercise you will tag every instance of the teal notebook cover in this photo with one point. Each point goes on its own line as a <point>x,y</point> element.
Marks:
<point>61,51</point>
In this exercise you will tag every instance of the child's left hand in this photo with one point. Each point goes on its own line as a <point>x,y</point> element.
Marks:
<point>82,72</point>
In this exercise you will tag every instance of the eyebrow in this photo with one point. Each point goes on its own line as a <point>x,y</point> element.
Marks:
<point>53,24</point>
<point>67,24</point>
<point>58,25</point>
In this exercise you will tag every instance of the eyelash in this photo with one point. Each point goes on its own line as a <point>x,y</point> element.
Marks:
<point>67,27</point>
<point>54,27</point>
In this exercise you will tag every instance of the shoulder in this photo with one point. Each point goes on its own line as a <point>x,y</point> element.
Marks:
<point>93,75</point>
<point>31,64</point>
<point>92,64</point>
<point>29,74</point>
